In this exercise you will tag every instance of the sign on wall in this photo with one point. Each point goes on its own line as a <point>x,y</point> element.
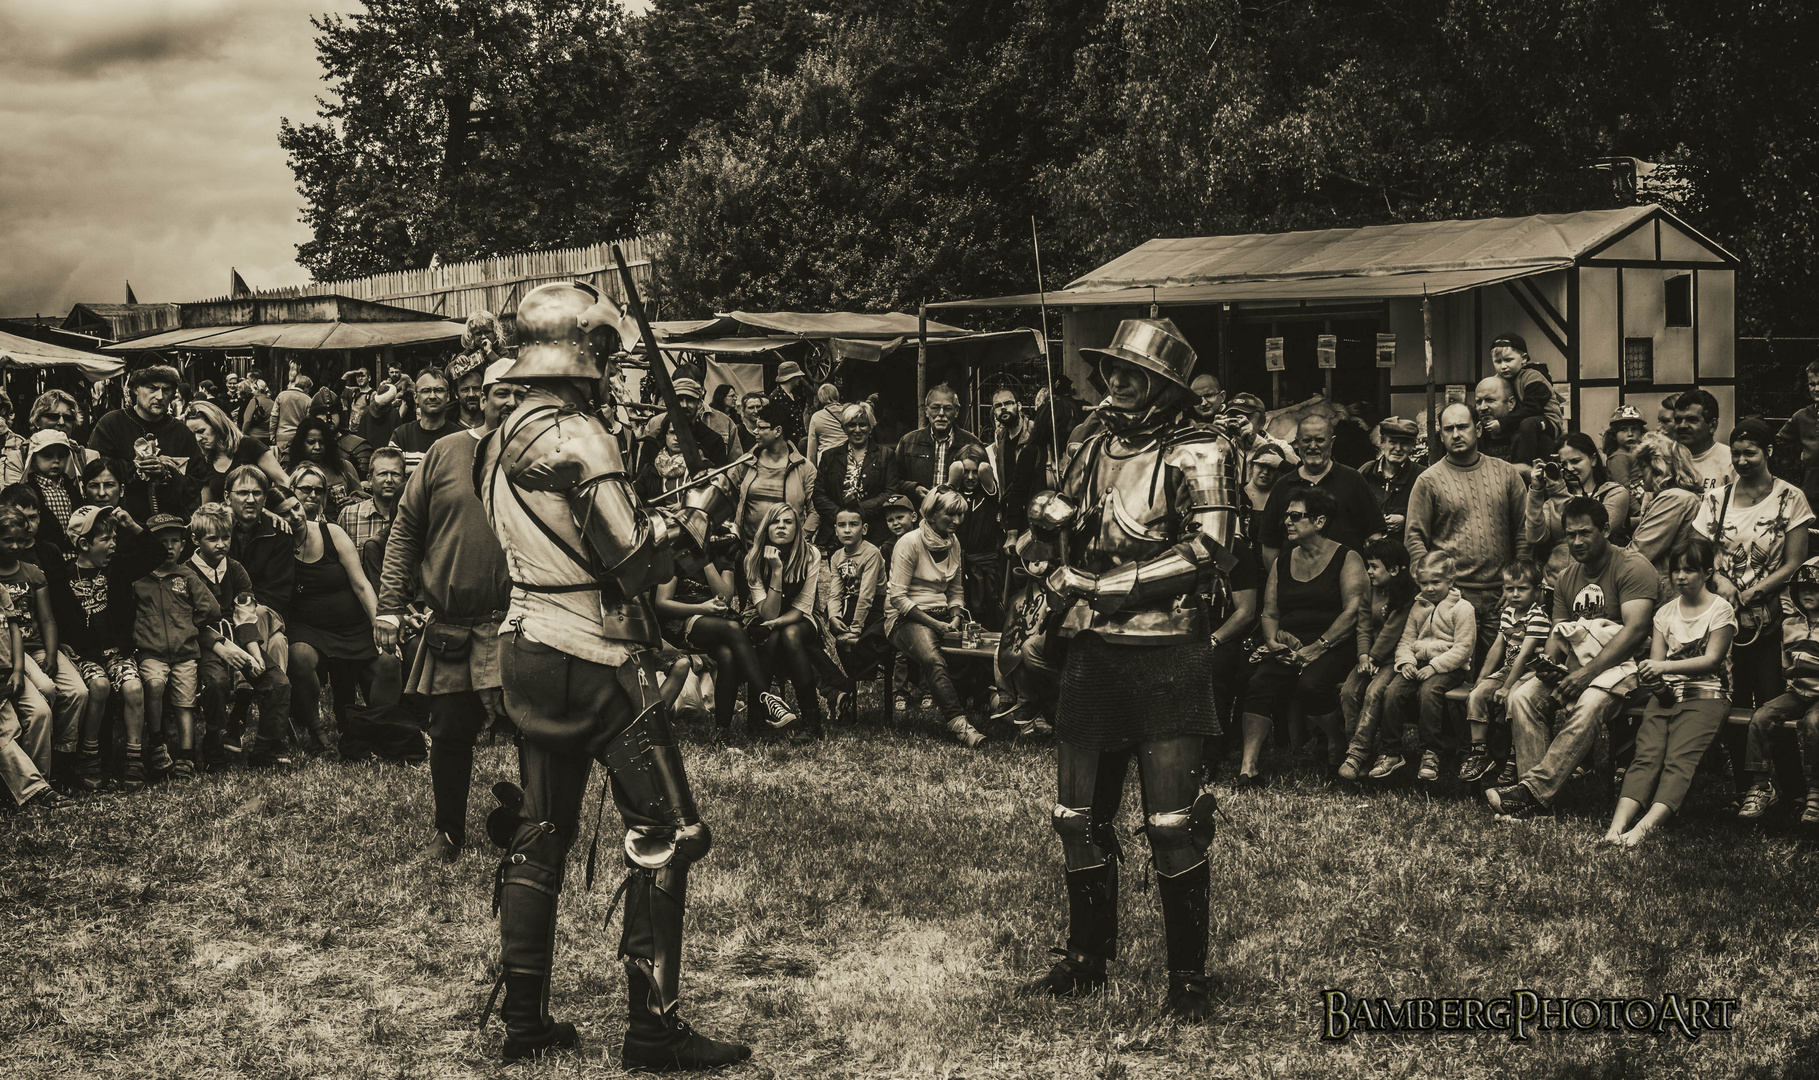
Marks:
<point>1326,350</point>
<point>1386,350</point>
<point>1272,354</point>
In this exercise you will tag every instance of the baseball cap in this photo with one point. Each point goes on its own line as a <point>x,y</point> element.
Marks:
<point>1627,414</point>
<point>1267,446</point>
<point>788,370</point>
<point>45,440</point>
<point>688,388</point>
<point>1808,574</point>
<point>495,372</point>
<point>83,519</point>
<point>1511,341</point>
<point>1246,403</point>
<point>898,502</point>
<point>163,523</point>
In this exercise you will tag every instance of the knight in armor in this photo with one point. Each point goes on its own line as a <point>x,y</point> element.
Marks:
<point>579,681</point>
<point>1131,546</point>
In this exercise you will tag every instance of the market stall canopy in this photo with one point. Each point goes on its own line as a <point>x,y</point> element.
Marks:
<point>16,351</point>
<point>849,335</point>
<point>307,323</point>
<point>1373,263</point>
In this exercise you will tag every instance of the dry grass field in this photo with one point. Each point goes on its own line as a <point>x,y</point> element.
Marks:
<point>870,905</point>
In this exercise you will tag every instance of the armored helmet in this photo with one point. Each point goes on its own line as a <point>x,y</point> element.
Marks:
<point>566,330</point>
<point>1152,344</point>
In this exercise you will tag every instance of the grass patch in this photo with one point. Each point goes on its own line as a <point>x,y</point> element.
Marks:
<point>869,907</point>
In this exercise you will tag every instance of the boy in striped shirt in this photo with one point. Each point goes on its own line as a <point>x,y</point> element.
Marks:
<point>1522,628</point>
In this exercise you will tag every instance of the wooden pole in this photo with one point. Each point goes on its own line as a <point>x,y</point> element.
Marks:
<point>1427,342</point>
<point>1327,328</point>
<point>921,359</point>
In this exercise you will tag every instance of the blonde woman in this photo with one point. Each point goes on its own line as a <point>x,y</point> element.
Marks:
<point>923,600</point>
<point>783,571</point>
<point>1671,490</point>
<point>226,446</point>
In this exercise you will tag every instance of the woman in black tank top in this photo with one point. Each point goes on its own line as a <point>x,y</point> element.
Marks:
<point>1316,590</point>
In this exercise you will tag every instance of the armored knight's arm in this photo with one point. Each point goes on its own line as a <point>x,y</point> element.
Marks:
<point>571,454</point>
<point>1205,489</point>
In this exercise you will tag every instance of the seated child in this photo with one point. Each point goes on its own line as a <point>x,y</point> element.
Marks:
<point>853,612</point>
<point>174,616</point>
<point>1689,665</point>
<point>1522,628</point>
<point>22,775</point>
<point>50,670</point>
<point>1379,634</point>
<point>1433,657</point>
<point>1800,660</point>
<point>239,656</point>
<point>899,518</point>
<point>1537,417</point>
<point>96,627</point>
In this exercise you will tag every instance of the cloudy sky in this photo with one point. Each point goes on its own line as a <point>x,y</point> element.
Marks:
<point>139,141</point>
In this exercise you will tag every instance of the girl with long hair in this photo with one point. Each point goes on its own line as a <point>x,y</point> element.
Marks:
<point>698,615</point>
<point>225,447</point>
<point>316,442</point>
<point>783,572</point>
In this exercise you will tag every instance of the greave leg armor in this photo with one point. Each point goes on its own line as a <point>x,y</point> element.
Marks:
<point>530,880</point>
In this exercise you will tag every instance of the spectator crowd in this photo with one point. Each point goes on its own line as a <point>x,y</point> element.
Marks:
<point>218,576</point>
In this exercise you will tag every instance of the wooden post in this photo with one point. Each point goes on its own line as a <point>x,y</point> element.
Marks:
<point>1276,376</point>
<point>1427,342</point>
<point>1225,348</point>
<point>1326,327</point>
<point>921,360</point>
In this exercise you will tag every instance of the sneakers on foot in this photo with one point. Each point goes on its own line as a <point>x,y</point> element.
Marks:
<point>183,769</point>
<point>1811,814</point>
<point>1475,765</point>
<point>1386,765</point>
<point>158,759</point>
<point>1506,775</point>
<point>900,705</point>
<point>135,775</point>
<point>928,701</point>
<point>48,799</point>
<point>1514,801</point>
<point>778,714</point>
<point>1758,799</point>
<point>88,771</point>
<point>1430,765</point>
<point>967,734</point>
<point>1352,768</point>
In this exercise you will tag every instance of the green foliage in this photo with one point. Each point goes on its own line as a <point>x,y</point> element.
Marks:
<point>458,128</point>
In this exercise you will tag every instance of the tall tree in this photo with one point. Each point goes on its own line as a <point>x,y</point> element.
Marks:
<point>459,128</point>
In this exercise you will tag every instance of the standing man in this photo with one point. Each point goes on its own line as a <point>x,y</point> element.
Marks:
<point>1604,587</point>
<point>793,385</point>
<point>924,454</point>
<point>1392,474</point>
<point>371,518</point>
<point>168,469</point>
<point>1472,505</point>
<point>1356,518</point>
<point>293,406</point>
<point>1696,428</point>
<point>468,373</point>
<point>1135,657</point>
<point>1015,458</point>
<point>689,394</point>
<point>1209,398</point>
<point>435,417</point>
<point>442,551</point>
<point>1496,420</point>
<point>580,682</point>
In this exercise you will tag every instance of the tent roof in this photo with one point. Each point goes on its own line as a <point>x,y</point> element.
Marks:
<point>1375,262</point>
<point>24,352</point>
<point>806,324</point>
<point>297,335</point>
<point>849,336</point>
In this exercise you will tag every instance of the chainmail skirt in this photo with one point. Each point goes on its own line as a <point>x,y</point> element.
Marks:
<point>1115,696</point>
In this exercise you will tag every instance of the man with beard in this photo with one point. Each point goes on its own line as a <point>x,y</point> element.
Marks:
<point>168,471</point>
<point>461,575</point>
<point>1015,459</point>
<point>1356,519</point>
<point>1146,505</point>
<point>468,372</point>
<point>1393,472</point>
<point>435,418</point>
<point>576,657</point>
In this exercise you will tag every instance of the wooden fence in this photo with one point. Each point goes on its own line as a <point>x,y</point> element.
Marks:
<point>454,290</point>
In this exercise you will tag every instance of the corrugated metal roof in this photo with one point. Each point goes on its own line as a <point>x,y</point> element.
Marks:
<point>807,324</point>
<point>302,336</point>
<point>1425,246</point>
<point>1381,287</point>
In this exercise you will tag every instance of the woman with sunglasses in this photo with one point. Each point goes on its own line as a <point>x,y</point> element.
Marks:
<point>777,473</point>
<point>1310,603</point>
<point>331,611</point>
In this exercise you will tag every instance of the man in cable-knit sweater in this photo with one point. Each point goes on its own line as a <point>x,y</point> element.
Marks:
<point>1471,505</point>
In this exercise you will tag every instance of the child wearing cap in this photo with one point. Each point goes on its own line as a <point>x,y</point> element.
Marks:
<point>53,470</point>
<point>1621,438</point>
<point>1536,416</point>
<point>174,614</point>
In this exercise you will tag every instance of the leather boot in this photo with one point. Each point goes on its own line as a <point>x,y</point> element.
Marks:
<point>1185,923</point>
<point>530,879</point>
<point>656,1036</point>
<point>1092,939</point>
